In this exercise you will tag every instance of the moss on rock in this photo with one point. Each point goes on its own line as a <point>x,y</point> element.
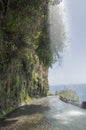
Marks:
<point>22,75</point>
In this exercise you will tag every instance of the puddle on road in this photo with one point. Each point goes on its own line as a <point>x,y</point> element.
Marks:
<point>66,116</point>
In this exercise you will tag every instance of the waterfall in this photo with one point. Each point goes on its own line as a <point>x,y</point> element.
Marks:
<point>57,27</point>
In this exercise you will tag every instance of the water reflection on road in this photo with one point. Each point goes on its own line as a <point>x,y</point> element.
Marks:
<point>66,116</point>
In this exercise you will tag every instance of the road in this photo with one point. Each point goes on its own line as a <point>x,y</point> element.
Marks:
<point>48,113</point>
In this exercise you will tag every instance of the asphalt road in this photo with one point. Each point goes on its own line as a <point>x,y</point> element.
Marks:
<point>48,113</point>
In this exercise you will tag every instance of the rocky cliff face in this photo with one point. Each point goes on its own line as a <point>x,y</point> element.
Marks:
<point>22,73</point>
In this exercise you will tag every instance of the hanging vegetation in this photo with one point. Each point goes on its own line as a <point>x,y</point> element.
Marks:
<point>25,52</point>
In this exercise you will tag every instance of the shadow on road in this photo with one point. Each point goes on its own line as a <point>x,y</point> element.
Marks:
<point>28,110</point>
<point>25,110</point>
<point>7,122</point>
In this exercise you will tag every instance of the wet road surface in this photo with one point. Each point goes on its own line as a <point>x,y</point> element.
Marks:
<point>48,113</point>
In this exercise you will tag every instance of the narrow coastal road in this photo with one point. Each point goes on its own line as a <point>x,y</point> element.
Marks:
<point>46,114</point>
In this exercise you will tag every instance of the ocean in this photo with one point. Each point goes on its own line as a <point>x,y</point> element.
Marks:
<point>79,88</point>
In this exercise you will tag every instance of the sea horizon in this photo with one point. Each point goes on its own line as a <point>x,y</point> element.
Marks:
<point>80,89</point>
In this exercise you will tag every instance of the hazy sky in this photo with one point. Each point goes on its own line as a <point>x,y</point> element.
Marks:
<point>73,69</point>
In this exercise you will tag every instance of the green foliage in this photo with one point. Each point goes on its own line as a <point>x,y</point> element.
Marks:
<point>50,94</point>
<point>69,95</point>
<point>11,23</point>
<point>44,50</point>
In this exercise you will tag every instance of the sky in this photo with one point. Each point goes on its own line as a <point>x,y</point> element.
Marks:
<point>73,68</point>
